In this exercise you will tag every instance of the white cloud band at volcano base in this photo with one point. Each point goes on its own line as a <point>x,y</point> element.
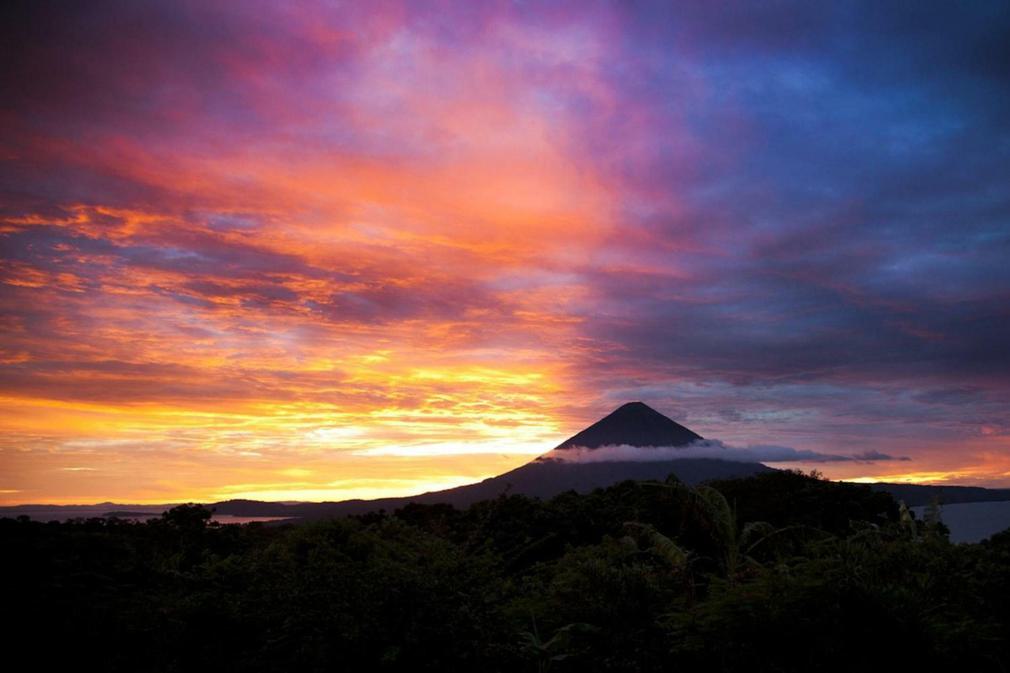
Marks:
<point>710,448</point>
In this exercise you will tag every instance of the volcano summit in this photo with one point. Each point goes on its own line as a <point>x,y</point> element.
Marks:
<point>632,424</point>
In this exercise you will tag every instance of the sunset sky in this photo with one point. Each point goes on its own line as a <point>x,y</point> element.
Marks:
<point>329,250</point>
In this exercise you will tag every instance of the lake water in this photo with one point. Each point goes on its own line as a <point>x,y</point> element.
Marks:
<point>973,521</point>
<point>228,518</point>
<point>142,514</point>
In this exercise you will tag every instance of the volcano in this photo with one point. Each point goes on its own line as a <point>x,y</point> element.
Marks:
<point>634,424</point>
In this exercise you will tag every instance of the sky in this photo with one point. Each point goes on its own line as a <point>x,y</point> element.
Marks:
<point>322,250</point>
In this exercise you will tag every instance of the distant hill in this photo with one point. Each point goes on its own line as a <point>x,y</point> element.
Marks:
<point>922,494</point>
<point>540,479</point>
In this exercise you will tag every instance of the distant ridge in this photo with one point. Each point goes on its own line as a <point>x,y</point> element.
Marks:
<point>537,478</point>
<point>632,424</point>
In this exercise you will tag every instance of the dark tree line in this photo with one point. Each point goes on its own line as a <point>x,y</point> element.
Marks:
<point>779,572</point>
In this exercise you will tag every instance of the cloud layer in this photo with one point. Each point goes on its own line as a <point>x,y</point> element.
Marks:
<point>710,448</point>
<point>241,239</point>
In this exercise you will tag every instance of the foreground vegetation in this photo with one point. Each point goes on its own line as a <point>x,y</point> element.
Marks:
<point>780,572</point>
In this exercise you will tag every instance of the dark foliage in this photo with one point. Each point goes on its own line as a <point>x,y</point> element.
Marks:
<point>778,572</point>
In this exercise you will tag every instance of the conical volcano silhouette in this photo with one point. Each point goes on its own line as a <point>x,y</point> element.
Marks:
<point>632,424</point>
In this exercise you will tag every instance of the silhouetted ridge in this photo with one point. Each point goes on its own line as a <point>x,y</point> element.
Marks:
<point>632,424</point>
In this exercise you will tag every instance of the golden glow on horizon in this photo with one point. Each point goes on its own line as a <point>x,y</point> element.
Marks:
<point>338,490</point>
<point>915,477</point>
<point>83,451</point>
<point>962,477</point>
